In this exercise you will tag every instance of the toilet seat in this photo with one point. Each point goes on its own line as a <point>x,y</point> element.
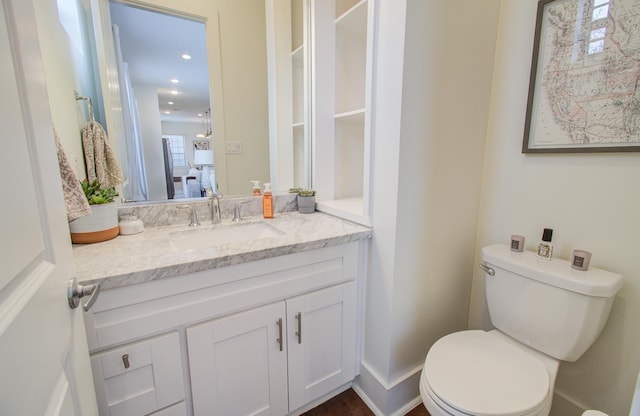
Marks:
<point>477,373</point>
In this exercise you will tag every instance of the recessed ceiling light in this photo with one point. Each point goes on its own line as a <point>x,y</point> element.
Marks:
<point>167,112</point>
<point>170,102</point>
<point>175,81</point>
<point>174,92</point>
<point>186,56</point>
<point>199,114</point>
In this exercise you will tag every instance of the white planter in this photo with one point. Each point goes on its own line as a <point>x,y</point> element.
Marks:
<point>306,204</point>
<point>100,225</point>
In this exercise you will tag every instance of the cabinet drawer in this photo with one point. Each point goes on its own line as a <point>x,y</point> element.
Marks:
<point>140,378</point>
<point>127,313</point>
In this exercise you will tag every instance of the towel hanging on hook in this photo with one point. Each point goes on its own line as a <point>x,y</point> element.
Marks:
<point>99,157</point>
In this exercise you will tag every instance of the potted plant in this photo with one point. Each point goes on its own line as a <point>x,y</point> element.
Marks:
<point>306,200</point>
<point>102,223</point>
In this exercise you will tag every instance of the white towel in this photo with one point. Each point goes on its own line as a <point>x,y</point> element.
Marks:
<point>99,157</point>
<point>74,198</point>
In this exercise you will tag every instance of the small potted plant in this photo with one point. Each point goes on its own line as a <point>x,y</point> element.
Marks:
<point>102,223</point>
<point>306,200</point>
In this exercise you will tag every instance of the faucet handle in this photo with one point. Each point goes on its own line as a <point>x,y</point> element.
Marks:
<point>194,217</point>
<point>236,213</point>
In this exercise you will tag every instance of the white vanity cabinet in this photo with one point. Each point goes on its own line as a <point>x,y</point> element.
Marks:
<point>306,343</point>
<point>262,337</point>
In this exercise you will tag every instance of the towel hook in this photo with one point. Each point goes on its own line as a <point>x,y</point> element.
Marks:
<point>89,103</point>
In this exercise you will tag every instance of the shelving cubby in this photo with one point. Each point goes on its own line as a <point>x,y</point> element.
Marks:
<point>342,108</point>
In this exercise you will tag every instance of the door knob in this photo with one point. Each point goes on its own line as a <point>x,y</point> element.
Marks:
<point>76,291</point>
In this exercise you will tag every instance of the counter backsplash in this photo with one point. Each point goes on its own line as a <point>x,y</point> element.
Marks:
<point>157,215</point>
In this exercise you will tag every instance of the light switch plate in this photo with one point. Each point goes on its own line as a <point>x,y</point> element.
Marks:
<point>233,148</point>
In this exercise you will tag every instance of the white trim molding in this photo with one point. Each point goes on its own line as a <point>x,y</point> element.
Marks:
<point>394,398</point>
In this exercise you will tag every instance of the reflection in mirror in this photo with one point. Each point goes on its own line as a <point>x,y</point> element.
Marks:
<point>240,116</point>
<point>169,92</point>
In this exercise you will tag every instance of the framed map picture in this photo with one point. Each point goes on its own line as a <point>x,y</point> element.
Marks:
<point>584,88</point>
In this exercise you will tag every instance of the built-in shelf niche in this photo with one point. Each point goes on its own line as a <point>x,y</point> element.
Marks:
<point>299,90</point>
<point>350,62</point>
<point>343,157</point>
<point>297,84</point>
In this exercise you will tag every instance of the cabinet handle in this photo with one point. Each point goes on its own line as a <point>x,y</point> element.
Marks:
<point>125,361</point>
<point>279,340</point>
<point>299,333</point>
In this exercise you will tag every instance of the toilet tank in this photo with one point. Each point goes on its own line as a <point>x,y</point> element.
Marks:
<point>546,304</point>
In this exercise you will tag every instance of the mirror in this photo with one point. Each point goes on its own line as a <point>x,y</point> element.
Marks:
<point>253,135</point>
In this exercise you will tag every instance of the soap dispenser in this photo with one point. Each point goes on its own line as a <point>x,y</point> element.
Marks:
<point>256,188</point>
<point>267,201</point>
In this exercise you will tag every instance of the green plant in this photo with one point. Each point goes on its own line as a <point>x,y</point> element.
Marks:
<point>95,194</point>
<point>302,191</point>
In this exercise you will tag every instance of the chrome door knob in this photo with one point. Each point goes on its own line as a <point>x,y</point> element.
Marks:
<point>76,291</point>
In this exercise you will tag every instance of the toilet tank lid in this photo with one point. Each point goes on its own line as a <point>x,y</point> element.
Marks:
<point>555,272</point>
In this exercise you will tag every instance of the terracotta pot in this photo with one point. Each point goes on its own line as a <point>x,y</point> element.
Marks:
<point>306,204</point>
<point>100,225</point>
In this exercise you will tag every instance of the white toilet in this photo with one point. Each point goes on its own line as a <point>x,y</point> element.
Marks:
<point>544,311</point>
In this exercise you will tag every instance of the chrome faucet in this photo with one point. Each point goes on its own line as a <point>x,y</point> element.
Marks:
<point>214,201</point>
<point>194,217</point>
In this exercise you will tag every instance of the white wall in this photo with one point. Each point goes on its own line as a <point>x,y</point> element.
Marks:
<point>523,194</point>
<point>67,68</point>
<point>151,133</point>
<point>431,110</point>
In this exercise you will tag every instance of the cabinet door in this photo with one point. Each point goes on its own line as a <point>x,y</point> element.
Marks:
<point>321,337</point>
<point>140,378</point>
<point>238,364</point>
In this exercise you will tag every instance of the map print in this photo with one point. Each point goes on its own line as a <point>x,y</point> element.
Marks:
<point>588,74</point>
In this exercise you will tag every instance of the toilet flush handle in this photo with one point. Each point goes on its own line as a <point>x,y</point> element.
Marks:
<point>488,270</point>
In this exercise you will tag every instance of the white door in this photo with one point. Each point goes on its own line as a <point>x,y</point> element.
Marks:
<point>44,362</point>
<point>321,334</point>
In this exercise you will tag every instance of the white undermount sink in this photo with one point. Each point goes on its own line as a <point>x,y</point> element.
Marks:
<point>223,234</point>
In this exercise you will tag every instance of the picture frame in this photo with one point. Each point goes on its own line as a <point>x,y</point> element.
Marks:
<point>584,86</point>
<point>201,145</point>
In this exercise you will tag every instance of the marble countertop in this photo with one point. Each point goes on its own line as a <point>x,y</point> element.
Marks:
<point>152,255</point>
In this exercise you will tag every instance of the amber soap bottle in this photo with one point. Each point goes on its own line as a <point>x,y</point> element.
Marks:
<point>267,201</point>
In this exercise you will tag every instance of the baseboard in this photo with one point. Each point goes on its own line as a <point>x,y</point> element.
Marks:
<point>564,405</point>
<point>388,399</point>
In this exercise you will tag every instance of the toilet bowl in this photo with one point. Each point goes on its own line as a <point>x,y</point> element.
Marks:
<point>469,372</point>
<point>511,370</point>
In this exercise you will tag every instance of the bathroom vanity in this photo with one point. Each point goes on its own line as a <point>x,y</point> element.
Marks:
<point>263,324</point>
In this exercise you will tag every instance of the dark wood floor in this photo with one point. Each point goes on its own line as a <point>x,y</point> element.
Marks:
<point>349,404</point>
